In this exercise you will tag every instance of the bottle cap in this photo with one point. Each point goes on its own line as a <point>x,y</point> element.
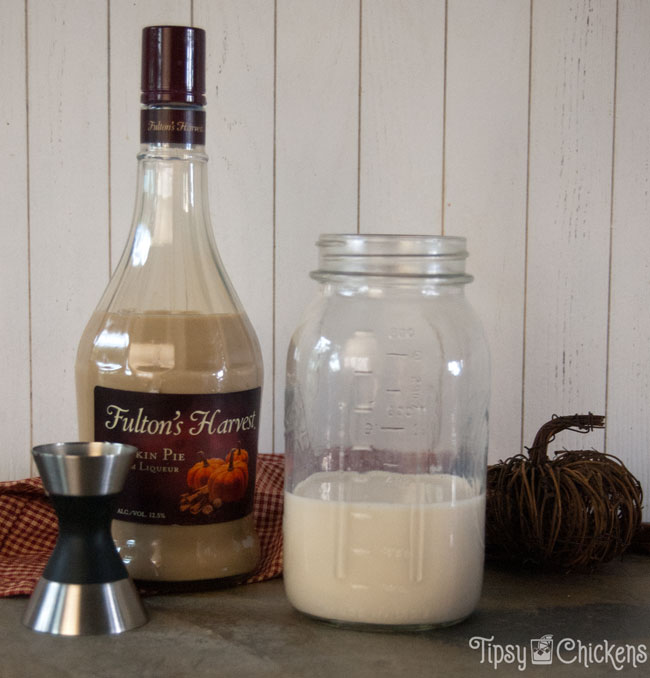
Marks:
<point>173,65</point>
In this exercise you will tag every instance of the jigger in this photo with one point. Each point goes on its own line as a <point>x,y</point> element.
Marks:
<point>85,588</point>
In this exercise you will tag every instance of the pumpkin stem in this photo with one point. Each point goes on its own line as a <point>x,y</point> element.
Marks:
<point>203,458</point>
<point>231,463</point>
<point>580,423</point>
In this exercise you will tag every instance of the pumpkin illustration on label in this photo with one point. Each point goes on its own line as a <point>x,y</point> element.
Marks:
<point>214,481</point>
<point>229,481</point>
<point>238,454</point>
<point>200,473</point>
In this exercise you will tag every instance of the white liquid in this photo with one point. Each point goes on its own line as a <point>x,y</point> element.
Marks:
<point>384,548</point>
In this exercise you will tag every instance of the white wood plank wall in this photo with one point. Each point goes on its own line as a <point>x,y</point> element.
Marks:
<point>523,125</point>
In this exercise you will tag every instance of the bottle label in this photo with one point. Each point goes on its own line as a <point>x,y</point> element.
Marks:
<point>196,456</point>
<point>172,126</point>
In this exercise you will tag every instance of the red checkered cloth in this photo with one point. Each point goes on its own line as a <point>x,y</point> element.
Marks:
<point>28,528</point>
<point>267,510</point>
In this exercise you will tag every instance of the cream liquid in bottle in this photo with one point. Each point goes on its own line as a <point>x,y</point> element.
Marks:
<point>169,361</point>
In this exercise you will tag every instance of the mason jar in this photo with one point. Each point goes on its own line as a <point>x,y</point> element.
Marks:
<point>386,418</point>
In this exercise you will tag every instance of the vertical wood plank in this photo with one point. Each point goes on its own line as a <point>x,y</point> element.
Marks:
<point>569,211</point>
<point>402,79</point>
<point>68,169</point>
<point>485,185</point>
<point>628,411</point>
<point>127,19</point>
<point>317,98</point>
<point>240,76</point>
<point>14,249</point>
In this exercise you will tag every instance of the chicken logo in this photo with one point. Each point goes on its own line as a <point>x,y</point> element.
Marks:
<point>542,650</point>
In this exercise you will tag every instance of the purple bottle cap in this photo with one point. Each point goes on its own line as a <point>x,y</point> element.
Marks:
<point>173,65</point>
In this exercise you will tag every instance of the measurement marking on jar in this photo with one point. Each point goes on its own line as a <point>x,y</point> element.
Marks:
<point>393,390</point>
<point>362,372</point>
<point>398,355</point>
<point>391,428</point>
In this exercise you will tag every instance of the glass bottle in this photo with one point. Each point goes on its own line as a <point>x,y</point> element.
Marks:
<point>386,437</point>
<point>169,361</point>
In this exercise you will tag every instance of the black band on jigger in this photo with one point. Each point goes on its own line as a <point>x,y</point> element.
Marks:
<point>84,551</point>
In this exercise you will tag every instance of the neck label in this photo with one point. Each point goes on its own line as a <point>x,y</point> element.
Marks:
<point>172,126</point>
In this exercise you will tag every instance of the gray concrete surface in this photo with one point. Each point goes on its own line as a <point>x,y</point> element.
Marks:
<point>253,631</point>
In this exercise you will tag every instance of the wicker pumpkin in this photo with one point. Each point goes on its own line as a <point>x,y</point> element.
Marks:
<point>571,512</point>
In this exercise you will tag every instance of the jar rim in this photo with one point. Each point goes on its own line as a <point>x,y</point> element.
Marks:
<point>393,244</point>
<point>394,255</point>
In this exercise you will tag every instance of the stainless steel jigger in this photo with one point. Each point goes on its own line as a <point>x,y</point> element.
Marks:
<point>85,588</point>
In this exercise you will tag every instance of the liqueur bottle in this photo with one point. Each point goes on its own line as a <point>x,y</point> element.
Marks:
<point>169,361</point>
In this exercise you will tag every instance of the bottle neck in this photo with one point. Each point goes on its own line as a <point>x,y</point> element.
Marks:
<point>172,170</point>
<point>171,260</point>
<point>172,198</point>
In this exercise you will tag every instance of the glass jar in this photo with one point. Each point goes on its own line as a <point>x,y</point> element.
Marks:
<point>386,419</point>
